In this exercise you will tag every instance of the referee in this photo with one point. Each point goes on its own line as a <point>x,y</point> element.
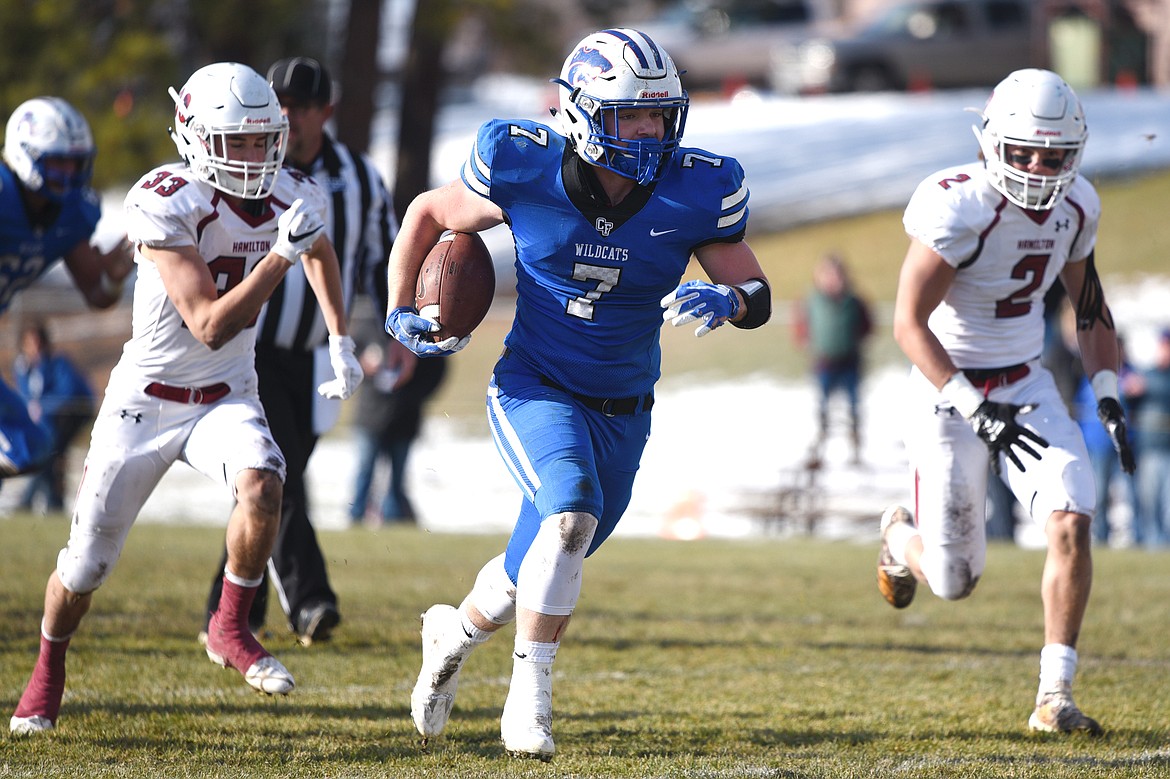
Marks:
<point>291,335</point>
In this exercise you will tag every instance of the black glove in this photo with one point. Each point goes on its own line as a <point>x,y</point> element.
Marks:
<point>1113,418</point>
<point>996,424</point>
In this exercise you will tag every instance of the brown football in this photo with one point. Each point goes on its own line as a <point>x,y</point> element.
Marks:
<point>456,284</point>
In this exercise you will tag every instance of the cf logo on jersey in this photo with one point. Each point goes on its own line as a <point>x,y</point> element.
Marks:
<point>603,225</point>
<point>1062,225</point>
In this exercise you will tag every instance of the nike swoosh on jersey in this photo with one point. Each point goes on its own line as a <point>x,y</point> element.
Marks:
<point>655,233</point>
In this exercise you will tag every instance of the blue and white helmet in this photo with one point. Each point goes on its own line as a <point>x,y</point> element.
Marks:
<point>1033,108</point>
<point>614,69</point>
<point>45,128</point>
<point>222,100</point>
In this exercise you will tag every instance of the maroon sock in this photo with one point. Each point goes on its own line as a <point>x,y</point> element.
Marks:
<point>42,696</point>
<point>228,634</point>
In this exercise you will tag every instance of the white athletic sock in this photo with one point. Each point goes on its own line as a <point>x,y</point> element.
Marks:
<point>476,635</point>
<point>1058,663</point>
<point>897,537</point>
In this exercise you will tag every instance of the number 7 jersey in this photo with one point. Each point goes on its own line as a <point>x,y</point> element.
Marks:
<point>589,276</point>
<point>1007,258</point>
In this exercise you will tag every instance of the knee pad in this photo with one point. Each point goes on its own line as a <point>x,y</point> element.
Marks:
<point>494,594</point>
<point>550,574</point>
<point>86,563</point>
<point>954,579</point>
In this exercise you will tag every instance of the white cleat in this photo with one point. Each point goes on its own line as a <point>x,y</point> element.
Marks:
<point>269,676</point>
<point>28,726</point>
<point>526,723</point>
<point>528,740</point>
<point>1056,712</point>
<point>445,646</point>
<point>895,581</point>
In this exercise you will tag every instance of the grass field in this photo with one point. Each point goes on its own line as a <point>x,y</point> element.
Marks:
<point>702,659</point>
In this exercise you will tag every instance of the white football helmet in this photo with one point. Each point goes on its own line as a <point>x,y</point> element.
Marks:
<point>46,128</point>
<point>1033,108</point>
<point>614,69</point>
<point>222,100</point>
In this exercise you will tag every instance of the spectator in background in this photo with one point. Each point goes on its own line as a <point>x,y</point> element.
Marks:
<point>1150,391</point>
<point>390,410</point>
<point>1102,453</point>
<point>832,323</point>
<point>291,338</point>
<point>60,398</point>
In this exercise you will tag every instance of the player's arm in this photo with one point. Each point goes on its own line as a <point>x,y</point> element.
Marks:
<point>735,265</point>
<point>738,291</point>
<point>323,271</point>
<point>1100,353</point>
<point>212,318</point>
<point>98,275</point>
<point>1096,334</point>
<point>450,207</point>
<point>922,284</point>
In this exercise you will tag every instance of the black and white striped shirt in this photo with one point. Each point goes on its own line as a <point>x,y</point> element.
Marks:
<point>361,223</point>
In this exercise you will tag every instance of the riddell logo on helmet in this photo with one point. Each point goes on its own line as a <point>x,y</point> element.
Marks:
<point>647,93</point>
<point>250,120</point>
<point>1043,132</point>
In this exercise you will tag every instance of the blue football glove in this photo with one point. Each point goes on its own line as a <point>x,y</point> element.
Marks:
<point>700,301</point>
<point>408,327</point>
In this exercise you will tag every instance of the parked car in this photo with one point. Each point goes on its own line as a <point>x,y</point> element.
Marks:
<point>727,43</point>
<point>913,44</point>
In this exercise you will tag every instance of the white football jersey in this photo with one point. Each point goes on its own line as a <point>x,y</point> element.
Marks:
<point>1007,259</point>
<point>168,208</point>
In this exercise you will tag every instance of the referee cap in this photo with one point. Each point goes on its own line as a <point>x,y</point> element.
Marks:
<point>303,79</point>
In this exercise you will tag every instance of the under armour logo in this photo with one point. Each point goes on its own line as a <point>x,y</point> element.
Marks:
<point>1062,225</point>
<point>603,225</point>
<point>127,415</point>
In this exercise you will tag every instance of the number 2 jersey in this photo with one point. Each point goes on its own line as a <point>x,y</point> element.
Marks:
<point>589,277</point>
<point>169,208</point>
<point>1007,259</point>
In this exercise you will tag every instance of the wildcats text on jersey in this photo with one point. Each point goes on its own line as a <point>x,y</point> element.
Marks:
<point>597,251</point>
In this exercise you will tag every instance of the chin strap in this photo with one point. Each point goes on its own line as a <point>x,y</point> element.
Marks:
<point>757,297</point>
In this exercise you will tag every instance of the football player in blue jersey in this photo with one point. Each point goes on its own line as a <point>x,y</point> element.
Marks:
<point>48,212</point>
<point>606,214</point>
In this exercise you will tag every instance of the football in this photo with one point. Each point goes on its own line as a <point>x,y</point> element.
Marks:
<point>456,285</point>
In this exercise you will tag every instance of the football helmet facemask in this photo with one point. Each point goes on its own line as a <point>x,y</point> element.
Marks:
<point>219,101</point>
<point>45,129</point>
<point>1036,109</point>
<point>607,72</point>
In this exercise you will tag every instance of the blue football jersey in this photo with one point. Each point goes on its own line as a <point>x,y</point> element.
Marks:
<point>589,277</point>
<point>27,251</point>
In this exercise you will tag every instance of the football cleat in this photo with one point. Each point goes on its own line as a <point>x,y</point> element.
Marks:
<point>1056,712</point>
<point>526,724</point>
<point>445,646</point>
<point>896,582</point>
<point>263,671</point>
<point>27,726</point>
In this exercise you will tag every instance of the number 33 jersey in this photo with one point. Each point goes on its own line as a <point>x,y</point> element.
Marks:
<point>589,276</point>
<point>168,209</point>
<point>1007,258</point>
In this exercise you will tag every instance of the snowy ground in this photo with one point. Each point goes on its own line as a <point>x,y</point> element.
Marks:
<point>459,484</point>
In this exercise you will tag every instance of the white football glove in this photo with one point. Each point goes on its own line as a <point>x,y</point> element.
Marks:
<point>298,228</point>
<point>346,368</point>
